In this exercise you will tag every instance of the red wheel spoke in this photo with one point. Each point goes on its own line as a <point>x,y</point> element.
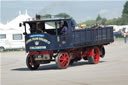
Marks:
<point>61,59</point>
<point>96,56</point>
<point>67,60</point>
<point>63,64</point>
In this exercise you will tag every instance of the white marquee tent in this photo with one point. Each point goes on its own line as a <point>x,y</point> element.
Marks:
<point>2,26</point>
<point>118,28</point>
<point>11,35</point>
<point>14,24</point>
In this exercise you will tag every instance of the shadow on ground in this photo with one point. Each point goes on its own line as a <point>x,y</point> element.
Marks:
<point>54,67</point>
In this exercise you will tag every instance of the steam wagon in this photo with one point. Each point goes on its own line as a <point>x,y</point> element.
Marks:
<point>47,41</point>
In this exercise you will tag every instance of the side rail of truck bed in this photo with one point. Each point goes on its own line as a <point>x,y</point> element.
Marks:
<point>89,37</point>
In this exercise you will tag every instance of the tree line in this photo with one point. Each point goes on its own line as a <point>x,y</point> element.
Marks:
<point>123,20</point>
<point>60,15</point>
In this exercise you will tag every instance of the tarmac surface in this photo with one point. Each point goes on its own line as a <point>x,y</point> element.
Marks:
<point>111,70</point>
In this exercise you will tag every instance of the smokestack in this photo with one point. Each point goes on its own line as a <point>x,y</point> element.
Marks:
<point>37,17</point>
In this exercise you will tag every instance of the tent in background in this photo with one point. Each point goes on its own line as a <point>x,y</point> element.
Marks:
<point>3,27</point>
<point>14,24</point>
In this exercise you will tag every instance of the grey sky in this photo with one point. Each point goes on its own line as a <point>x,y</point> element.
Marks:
<point>81,10</point>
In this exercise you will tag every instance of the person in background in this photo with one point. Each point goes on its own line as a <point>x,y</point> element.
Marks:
<point>125,37</point>
<point>127,33</point>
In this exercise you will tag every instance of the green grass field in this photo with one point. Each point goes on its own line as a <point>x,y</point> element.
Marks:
<point>118,38</point>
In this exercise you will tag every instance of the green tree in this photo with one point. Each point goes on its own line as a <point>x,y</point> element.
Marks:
<point>46,16</point>
<point>111,21</point>
<point>62,15</point>
<point>123,20</point>
<point>125,13</point>
<point>114,21</point>
<point>125,10</point>
<point>98,18</point>
<point>89,23</point>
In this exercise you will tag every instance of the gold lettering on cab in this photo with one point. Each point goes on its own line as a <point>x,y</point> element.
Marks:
<point>38,47</point>
<point>38,38</point>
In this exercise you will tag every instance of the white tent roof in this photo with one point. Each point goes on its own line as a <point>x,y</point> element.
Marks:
<point>119,27</point>
<point>6,31</point>
<point>2,26</point>
<point>14,24</point>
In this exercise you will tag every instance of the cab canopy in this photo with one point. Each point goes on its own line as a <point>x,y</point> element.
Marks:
<point>50,26</point>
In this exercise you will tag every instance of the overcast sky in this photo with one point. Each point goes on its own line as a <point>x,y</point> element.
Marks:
<point>80,10</point>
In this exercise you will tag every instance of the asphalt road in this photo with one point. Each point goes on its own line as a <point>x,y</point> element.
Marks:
<point>111,70</point>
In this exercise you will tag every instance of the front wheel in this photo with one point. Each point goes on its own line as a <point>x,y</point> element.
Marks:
<point>62,60</point>
<point>31,64</point>
<point>94,59</point>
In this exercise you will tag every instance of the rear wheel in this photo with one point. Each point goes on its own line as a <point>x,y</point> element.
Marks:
<point>71,62</point>
<point>31,64</point>
<point>62,60</point>
<point>94,59</point>
<point>102,52</point>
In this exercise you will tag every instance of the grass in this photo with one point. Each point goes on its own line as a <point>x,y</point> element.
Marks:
<point>118,38</point>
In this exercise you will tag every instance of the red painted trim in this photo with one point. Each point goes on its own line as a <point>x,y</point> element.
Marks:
<point>33,53</point>
<point>40,52</point>
<point>96,55</point>
<point>46,52</point>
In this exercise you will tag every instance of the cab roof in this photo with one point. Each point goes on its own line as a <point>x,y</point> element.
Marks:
<point>46,20</point>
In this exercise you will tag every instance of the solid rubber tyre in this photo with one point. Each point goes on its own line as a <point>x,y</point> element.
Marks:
<point>102,52</point>
<point>31,64</point>
<point>94,59</point>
